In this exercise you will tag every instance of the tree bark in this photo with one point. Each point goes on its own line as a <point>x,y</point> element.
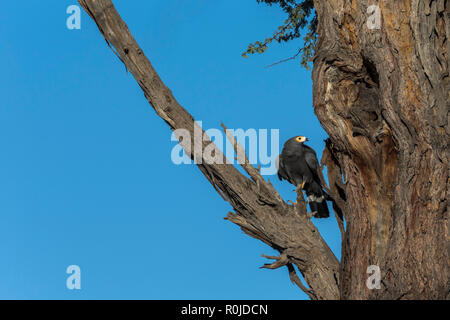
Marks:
<point>382,95</point>
<point>259,209</point>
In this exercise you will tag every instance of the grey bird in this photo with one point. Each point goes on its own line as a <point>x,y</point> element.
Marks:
<point>298,164</point>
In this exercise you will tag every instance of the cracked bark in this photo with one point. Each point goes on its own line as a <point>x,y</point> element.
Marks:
<point>382,96</point>
<point>258,208</point>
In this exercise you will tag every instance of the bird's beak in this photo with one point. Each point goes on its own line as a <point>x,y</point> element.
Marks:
<point>306,139</point>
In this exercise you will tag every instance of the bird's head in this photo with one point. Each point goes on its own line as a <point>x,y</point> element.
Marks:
<point>296,142</point>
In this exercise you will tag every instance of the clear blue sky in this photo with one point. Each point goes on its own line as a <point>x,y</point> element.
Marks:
<point>85,171</point>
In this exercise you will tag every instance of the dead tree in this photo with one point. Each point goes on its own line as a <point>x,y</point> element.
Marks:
<point>382,96</point>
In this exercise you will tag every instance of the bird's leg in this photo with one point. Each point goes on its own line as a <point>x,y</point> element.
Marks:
<point>310,214</point>
<point>302,188</point>
<point>299,190</point>
<point>296,191</point>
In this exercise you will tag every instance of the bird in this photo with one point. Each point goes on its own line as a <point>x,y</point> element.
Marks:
<point>298,164</point>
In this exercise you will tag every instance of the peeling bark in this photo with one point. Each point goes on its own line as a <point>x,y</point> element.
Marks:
<point>382,96</point>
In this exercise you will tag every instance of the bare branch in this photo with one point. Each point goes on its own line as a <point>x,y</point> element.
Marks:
<point>283,260</point>
<point>295,279</point>
<point>286,60</point>
<point>280,261</point>
<point>242,157</point>
<point>336,185</point>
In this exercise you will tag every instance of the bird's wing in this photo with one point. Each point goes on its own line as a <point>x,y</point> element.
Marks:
<point>313,163</point>
<point>280,168</point>
<point>311,160</point>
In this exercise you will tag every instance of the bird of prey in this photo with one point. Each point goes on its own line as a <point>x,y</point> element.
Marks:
<point>298,164</point>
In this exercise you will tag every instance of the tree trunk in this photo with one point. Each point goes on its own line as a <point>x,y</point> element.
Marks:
<point>382,95</point>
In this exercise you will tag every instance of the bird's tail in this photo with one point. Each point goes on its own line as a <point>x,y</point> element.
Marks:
<point>318,205</point>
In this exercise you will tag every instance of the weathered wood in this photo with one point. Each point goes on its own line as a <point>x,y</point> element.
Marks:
<point>259,209</point>
<point>382,96</point>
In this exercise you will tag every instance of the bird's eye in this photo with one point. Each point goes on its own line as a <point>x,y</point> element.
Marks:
<point>299,139</point>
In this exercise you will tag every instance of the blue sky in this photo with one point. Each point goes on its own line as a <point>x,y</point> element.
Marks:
<point>86,176</point>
